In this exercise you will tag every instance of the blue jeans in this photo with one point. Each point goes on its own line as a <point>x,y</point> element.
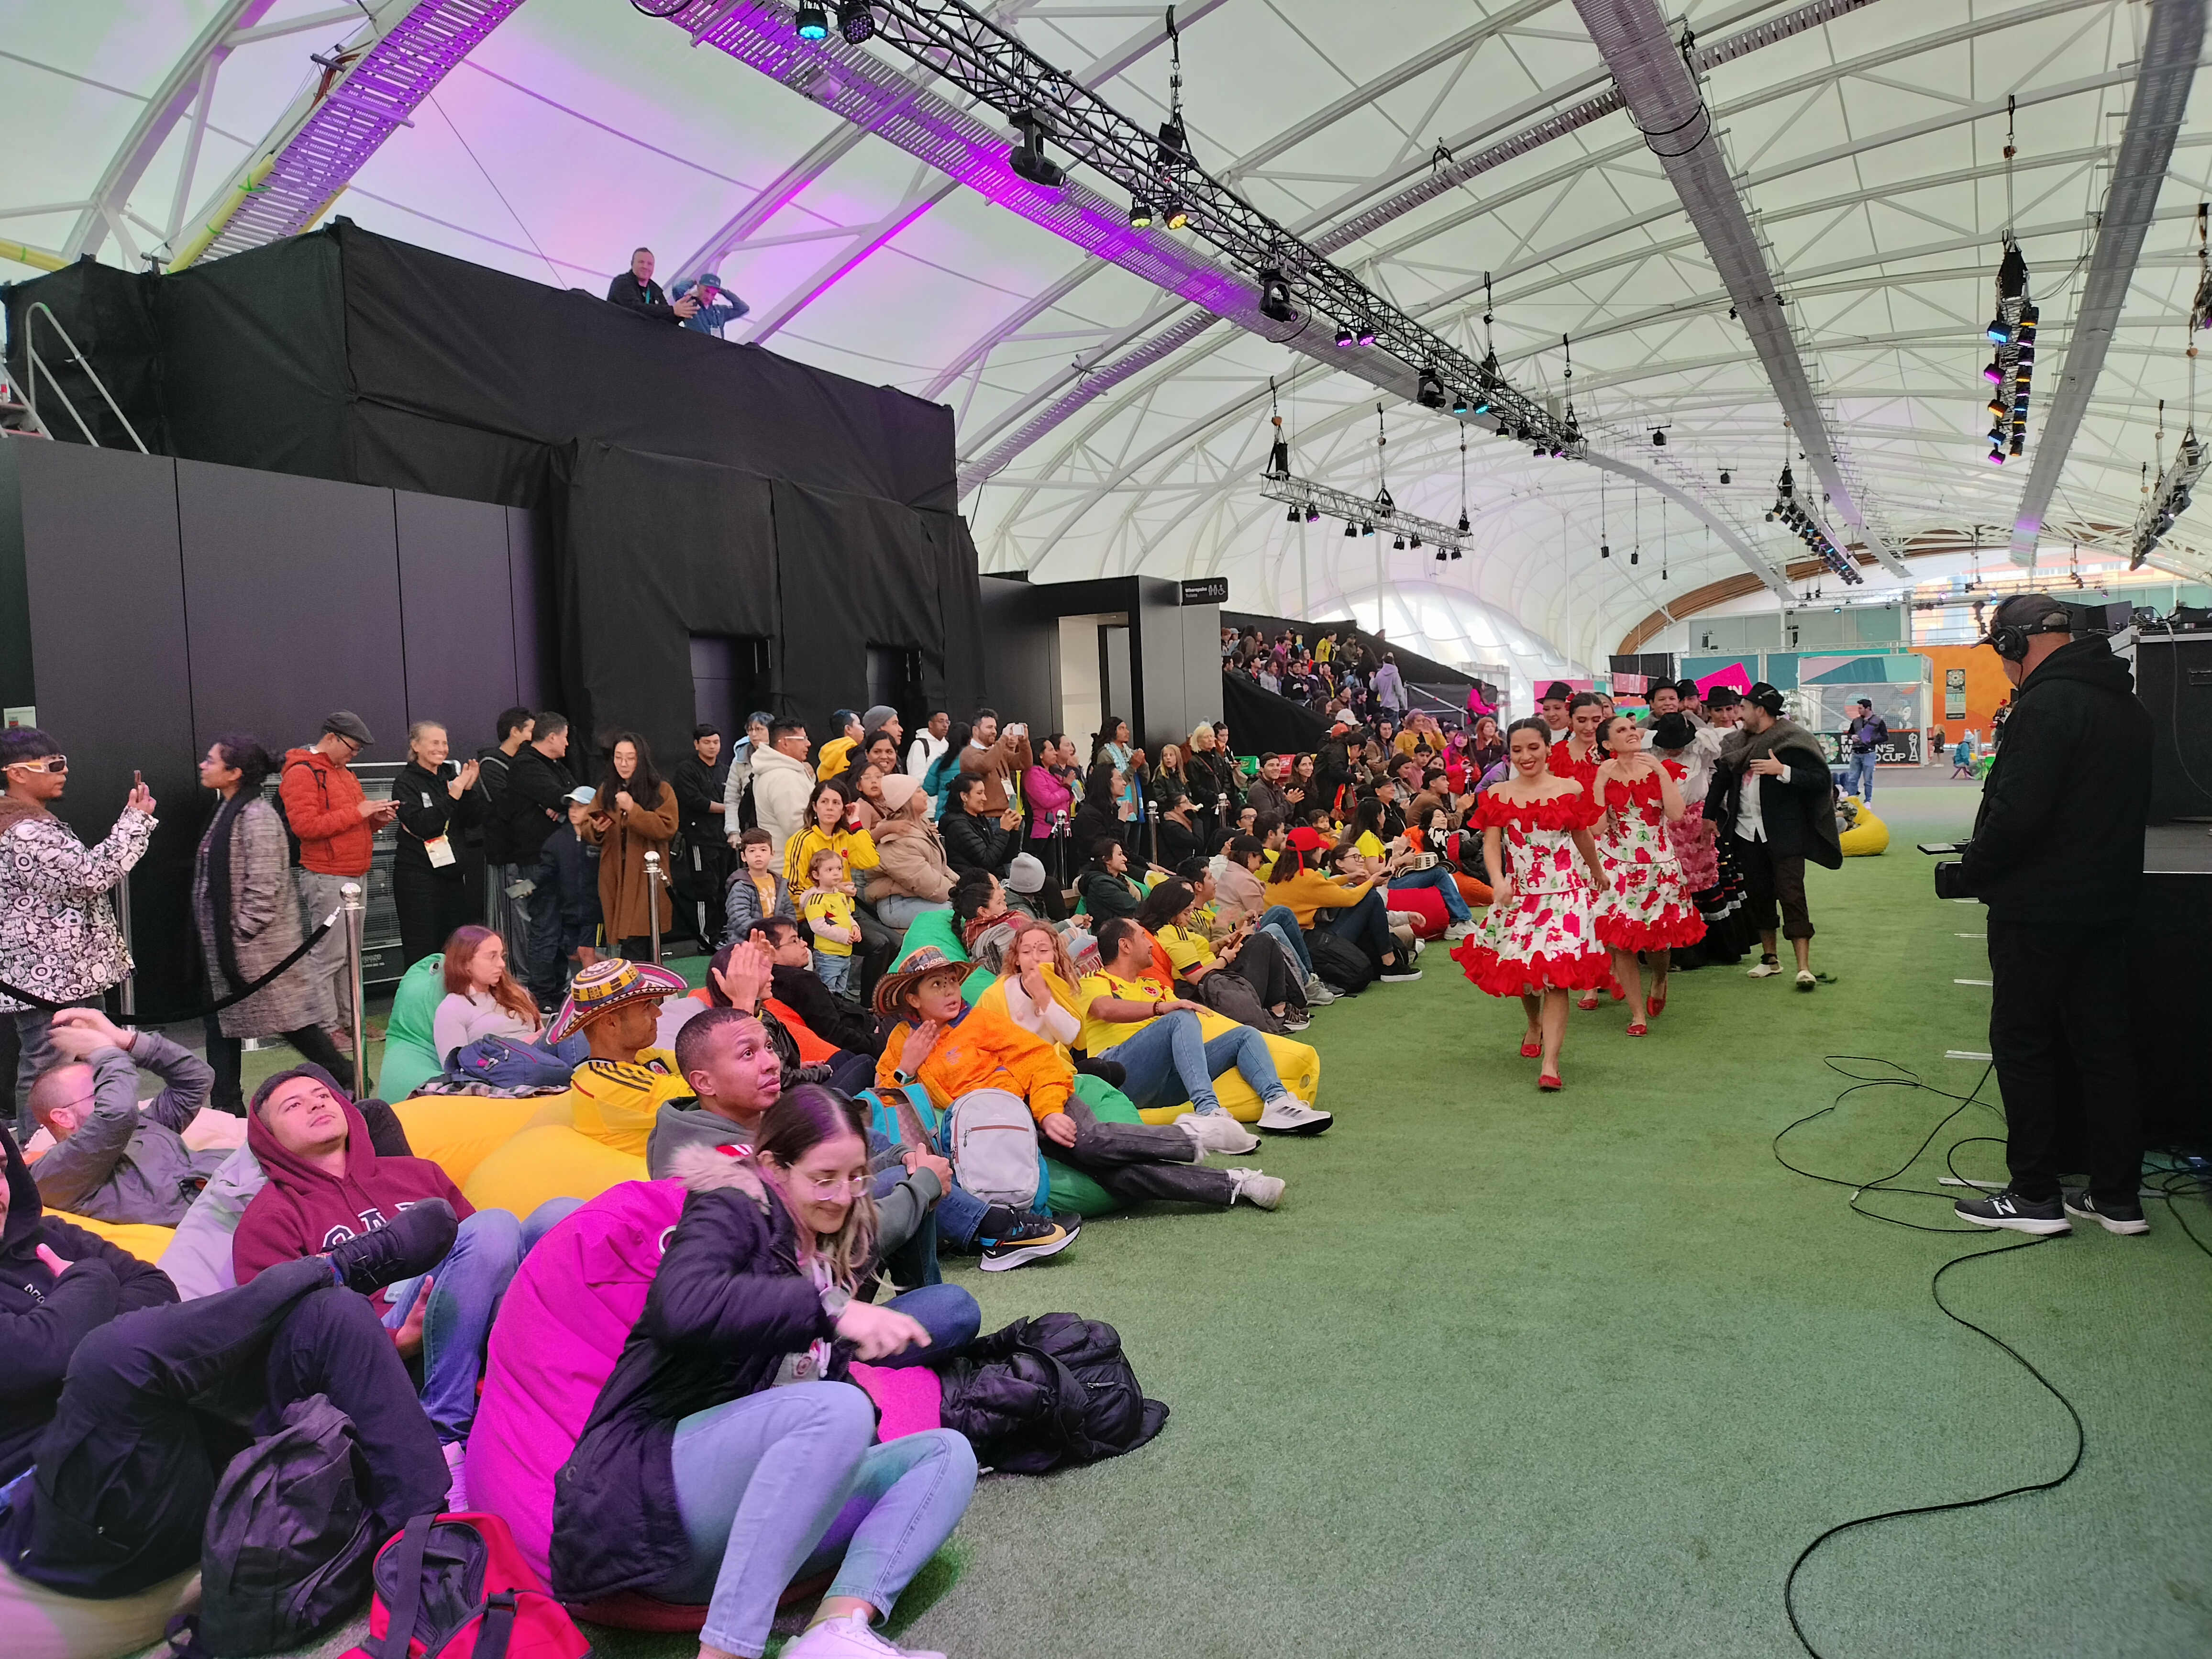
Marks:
<point>948,1313</point>
<point>1366,924</point>
<point>760,1480</point>
<point>898,911</point>
<point>1858,774</point>
<point>465,1290</point>
<point>840,973</point>
<point>1171,1060</point>
<point>1283,922</point>
<point>1440,879</point>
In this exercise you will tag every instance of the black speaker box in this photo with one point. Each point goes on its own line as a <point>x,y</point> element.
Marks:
<point>2173,678</point>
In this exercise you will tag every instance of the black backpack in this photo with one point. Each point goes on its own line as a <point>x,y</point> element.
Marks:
<point>290,1543</point>
<point>291,837</point>
<point>1046,1391</point>
<point>1339,963</point>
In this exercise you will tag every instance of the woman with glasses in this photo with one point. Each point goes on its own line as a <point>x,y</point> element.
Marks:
<point>58,940</point>
<point>729,1438</point>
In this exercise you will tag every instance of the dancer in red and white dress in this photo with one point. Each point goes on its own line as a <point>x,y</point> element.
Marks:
<point>1648,908</point>
<point>1578,754</point>
<point>1539,940</point>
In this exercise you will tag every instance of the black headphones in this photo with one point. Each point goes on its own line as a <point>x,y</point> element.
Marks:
<point>2009,640</point>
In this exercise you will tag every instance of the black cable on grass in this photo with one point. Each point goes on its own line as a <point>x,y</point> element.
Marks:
<point>1898,1076</point>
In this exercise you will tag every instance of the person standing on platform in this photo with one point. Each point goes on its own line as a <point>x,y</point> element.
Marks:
<point>633,812</point>
<point>783,783</point>
<point>537,787</point>
<point>701,780</point>
<point>1772,791</point>
<point>335,825</point>
<point>58,939</point>
<point>928,744</point>
<point>428,885</point>
<point>2058,858</point>
<point>636,289</point>
<point>1862,742</point>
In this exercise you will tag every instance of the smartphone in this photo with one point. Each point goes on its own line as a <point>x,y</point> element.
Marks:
<point>138,779</point>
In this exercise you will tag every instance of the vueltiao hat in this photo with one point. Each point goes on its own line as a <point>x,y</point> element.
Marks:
<point>608,984</point>
<point>919,965</point>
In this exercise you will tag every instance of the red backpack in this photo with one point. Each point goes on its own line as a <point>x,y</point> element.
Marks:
<point>455,1586</point>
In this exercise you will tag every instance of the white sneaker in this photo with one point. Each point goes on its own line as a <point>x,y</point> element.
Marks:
<point>1286,1115</point>
<point>456,1494</point>
<point>1767,968</point>
<point>1264,1190</point>
<point>1400,975</point>
<point>849,1637</point>
<point>1218,1132</point>
<point>1805,980</point>
<point>1458,931</point>
<point>1319,995</point>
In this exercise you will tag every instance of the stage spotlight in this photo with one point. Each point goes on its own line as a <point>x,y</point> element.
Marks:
<point>1459,403</point>
<point>1463,526</point>
<point>1275,297</point>
<point>1454,553</point>
<point>856,20</point>
<point>1366,527</point>
<point>813,23</point>
<point>1028,159</point>
<point>1442,555</point>
<point>1659,439</point>
<point>1724,477</point>
<point>1429,389</point>
<point>1295,517</point>
<point>1999,332</point>
<point>1397,543</point>
<point>1140,213</point>
<point>1313,514</point>
<point>1634,555</point>
<point>1178,216</point>
<point>1991,373</point>
<point>1343,335</point>
<point>1174,143</point>
<point>1367,334</point>
<point>1482,405</point>
<point>1351,529</point>
<point>1415,543</point>
<point>1604,550</point>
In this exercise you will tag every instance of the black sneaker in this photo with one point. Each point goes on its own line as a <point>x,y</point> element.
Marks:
<point>1032,1239</point>
<point>2008,1209</point>
<point>411,1242</point>
<point>2114,1217</point>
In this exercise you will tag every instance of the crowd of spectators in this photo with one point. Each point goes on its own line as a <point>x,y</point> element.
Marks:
<point>948,970</point>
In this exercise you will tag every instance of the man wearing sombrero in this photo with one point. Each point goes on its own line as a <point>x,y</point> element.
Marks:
<point>615,1093</point>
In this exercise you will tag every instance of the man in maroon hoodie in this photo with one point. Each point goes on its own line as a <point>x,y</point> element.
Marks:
<point>327,1183</point>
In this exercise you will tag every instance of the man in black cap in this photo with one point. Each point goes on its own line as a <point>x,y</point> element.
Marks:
<point>1772,793</point>
<point>2057,856</point>
<point>335,824</point>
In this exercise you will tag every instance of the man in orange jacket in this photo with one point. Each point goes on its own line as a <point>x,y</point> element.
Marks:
<point>953,1049</point>
<point>336,827</point>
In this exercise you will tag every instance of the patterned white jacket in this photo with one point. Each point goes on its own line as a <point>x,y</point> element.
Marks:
<point>58,939</point>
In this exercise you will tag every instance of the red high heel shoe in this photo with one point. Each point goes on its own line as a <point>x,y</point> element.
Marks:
<point>1549,1083</point>
<point>1637,1028</point>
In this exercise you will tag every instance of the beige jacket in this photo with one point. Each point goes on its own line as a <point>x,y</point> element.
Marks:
<point>911,863</point>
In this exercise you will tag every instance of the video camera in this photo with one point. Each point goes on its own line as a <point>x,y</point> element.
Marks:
<point>1950,878</point>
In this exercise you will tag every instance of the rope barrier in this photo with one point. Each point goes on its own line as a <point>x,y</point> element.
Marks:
<point>214,1007</point>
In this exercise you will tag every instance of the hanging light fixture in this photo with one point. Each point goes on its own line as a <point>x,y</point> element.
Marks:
<point>1028,159</point>
<point>812,23</point>
<point>1275,297</point>
<point>856,20</point>
<point>1140,213</point>
<point>1345,336</point>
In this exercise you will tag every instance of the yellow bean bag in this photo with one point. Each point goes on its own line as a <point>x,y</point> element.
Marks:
<point>142,1239</point>
<point>1868,836</point>
<point>1298,1064</point>
<point>551,1161</point>
<point>459,1132</point>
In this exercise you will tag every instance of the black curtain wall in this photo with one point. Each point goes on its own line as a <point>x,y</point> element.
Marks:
<point>1261,722</point>
<point>693,485</point>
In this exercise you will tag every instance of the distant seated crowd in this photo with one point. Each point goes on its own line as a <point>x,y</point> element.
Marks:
<point>651,1270</point>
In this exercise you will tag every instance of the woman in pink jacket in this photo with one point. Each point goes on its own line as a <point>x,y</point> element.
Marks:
<point>1050,800</point>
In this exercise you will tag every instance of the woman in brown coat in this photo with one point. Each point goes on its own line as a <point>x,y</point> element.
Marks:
<point>911,875</point>
<point>635,813</point>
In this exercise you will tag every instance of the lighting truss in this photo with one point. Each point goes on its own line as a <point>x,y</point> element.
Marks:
<point>2171,499</point>
<point>1310,497</point>
<point>2012,332</point>
<point>1791,512</point>
<point>990,64</point>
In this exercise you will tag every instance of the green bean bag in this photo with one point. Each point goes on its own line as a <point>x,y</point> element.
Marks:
<point>410,1054</point>
<point>932,927</point>
<point>1071,1190</point>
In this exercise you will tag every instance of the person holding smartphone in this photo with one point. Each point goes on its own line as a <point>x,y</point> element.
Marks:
<point>335,824</point>
<point>434,799</point>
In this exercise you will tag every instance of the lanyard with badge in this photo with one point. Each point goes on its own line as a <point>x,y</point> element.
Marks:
<point>437,848</point>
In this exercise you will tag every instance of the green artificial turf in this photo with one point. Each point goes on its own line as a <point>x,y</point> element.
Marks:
<point>1568,1376</point>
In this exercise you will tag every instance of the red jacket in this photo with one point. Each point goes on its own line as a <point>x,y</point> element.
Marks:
<point>322,803</point>
<point>303,1212</point>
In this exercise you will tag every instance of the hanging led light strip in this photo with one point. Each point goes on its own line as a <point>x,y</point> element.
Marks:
<point>2011,331</point>
<point>2170,500</point>
<point>1787,510</point>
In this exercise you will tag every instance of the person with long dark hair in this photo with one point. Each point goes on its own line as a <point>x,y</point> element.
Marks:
<point>247,915</point>
<point>698,1477</point>
<point>1538,941</point>
<point>1106,887</point>
<point>429,886</point>
<point>1648,908</point>
<point>1102,811</point>
<point>635,813</point>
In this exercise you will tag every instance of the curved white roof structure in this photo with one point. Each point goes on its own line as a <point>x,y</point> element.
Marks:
<point>1452,156</point>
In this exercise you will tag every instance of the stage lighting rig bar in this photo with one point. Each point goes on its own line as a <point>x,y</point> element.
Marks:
<point>1362,510</point>
<point>992,66</point>
<point>2171,499</point>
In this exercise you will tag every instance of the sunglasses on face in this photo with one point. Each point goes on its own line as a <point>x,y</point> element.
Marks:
<point>50,763</point>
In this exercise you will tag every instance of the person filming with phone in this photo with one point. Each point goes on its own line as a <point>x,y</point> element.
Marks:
<point>335,825</point>
<point>2056,856</point>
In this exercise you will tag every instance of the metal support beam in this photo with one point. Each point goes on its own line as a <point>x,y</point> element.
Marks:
<point>2170,50</point>
<point>1664,101</point>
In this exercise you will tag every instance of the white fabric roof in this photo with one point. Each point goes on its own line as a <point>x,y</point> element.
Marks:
<point>1868,149</point>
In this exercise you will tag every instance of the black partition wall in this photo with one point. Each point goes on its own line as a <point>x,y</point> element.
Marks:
<point>690,487</point>
<point>148,605</point>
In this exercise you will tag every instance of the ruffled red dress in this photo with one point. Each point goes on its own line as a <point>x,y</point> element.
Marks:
<point>1544,937</point>
<point>1647,908</point>
<point>1584,771</point>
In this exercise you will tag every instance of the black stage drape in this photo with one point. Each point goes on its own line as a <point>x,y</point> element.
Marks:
<point>1262,722</point>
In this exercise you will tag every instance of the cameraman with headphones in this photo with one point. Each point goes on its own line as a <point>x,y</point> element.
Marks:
<point>2057,857</point>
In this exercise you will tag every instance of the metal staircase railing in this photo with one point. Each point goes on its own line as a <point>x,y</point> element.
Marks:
<point>33,364</point>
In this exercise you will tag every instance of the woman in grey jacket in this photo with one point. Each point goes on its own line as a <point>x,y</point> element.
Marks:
<point>247,914</point>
